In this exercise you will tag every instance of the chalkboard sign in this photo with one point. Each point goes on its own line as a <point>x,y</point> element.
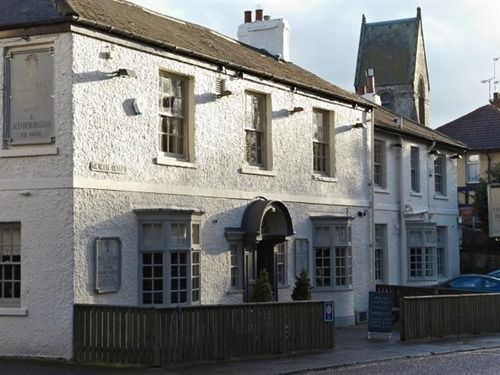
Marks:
<point>380,312</point>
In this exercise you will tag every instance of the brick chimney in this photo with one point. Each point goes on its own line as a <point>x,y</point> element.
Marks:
<point>496,99</point>
<point>368,90</point>
<point>273,35</point>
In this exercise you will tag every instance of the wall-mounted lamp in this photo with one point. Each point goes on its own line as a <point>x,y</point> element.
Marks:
<point>238,74</point>
<point>293,88</point>
<point>359,124</point>
<point>396,145</point>
<point>295,110</point>
<point>125,73</point>
<point>220,89</point>
<point>456,156</point>
<point>434,152</point>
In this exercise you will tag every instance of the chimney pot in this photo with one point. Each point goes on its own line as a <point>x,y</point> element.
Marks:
<point>258,14</point>
<point>496,99</point>
<point>248,16</point>
<point>267,18</point>
<point>370,81</point>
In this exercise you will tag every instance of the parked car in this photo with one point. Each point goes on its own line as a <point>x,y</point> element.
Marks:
<point>473,283</point>
<point>495,273</point>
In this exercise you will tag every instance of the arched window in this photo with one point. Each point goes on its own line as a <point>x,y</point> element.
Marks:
<point>421,101</point>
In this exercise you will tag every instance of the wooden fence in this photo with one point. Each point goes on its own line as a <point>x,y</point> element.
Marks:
<point>167,336</point>
<point>441,316</point>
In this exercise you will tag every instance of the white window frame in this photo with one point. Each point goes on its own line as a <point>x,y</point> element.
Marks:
<point>236,266</point>
<point>380,164</point>
<point>326,140</point>
<point>10,258</point>
<point>281,250</point>
<point>473,164</point>
<point>165,155</point>
<point>169,246</point>
<point>380,252</point>
<point>421,248</point>
<point>440,175</point>
<point>415,169</point>
<point>334,248</point>
<point>262,129</point>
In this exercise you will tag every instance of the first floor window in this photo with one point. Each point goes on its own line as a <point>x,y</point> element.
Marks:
<point>255,129</point>
<point>440,174</point>
<point>170,255</point>
<point>415,169</point>
<point>10,264</point>
<point>332,254</point>
<point>379,164</point>
<point>380,251</point>
<point>422,253</point>
<point>473,168</point>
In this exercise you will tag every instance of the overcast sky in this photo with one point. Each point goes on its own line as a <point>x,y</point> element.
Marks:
<point>461,39</point>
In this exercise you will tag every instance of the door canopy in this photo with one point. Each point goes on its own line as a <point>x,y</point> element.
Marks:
<point>266,220</point>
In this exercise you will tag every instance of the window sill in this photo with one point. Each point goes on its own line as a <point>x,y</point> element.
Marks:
<point>20,151</point>
<point>13,311</point>
<point>416,194</point>
<point>318,177</point>
<point>165,160</point>
<point>235,291</point>
<point>441,197</point>
<point>246,169</point>
<point>381,190</point>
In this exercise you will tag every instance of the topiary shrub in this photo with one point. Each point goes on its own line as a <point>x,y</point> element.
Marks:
<point>262,290</point>
<point>302,289</point>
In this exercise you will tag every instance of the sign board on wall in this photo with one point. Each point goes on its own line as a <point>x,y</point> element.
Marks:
<point>107,264</point>
<point>494,209</point>
<point>30,96</point>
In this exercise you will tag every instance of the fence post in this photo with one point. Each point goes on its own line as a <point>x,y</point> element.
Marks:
<point>402,320</point>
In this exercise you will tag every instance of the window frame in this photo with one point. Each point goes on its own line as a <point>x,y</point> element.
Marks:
<point>13,301</point>
<point>382,184</point>
<point>236,255</point>
<point>441,250</point>
<point>328,142</point>
<point>283,249</point>
<point>189,249</point>
<point>333,246</point>
<point>415,169</point>
<point>188,154</point>
<point>380,247</point>
<point>419,252</point>
<point>265,132</point>
<point>476,164</point>
<point>440,175</point>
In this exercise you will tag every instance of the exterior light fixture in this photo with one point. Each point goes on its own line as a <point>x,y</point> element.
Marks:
<point>434,152</point>
<point>359,124</point>
<point>125,73</point>
<point>396,145</point>
<point>456,156</point>
<point>295,110</point>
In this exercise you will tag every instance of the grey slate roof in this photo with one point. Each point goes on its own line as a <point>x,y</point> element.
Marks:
<point>390,49</point>
<point>480,129</point>
<point>131,21</point>
<point>21,12</point>
<point>385,120</point>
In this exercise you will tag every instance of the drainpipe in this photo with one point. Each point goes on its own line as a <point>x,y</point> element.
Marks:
<point>402,204</point>
<point>371,208</point>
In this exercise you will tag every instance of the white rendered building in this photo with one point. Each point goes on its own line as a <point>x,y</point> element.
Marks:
<point>149,161</point>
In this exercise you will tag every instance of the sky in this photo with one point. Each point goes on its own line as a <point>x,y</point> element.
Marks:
<point>461,39</point>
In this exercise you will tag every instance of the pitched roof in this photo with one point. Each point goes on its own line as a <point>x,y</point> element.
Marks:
<point>134,22</point>
<point>389,121</point>
<point>390,49</point>
<point>480,129</point>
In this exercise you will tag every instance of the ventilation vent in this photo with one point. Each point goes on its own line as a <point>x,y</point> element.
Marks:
<point>220,88</point>
<point>361,317</point>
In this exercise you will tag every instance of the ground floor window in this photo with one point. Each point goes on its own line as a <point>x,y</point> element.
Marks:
<point>281,255</point>
<point>10,264</point>
<point>441,250</point>
<point>332,253</point>
<point>170,255</point>
<point>380,251</point>
<point>422,259</point>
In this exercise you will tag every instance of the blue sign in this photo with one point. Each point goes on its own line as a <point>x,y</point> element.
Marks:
<point>329,312</point>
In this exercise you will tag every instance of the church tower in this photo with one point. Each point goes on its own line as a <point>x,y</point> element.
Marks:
<point>395,51</point>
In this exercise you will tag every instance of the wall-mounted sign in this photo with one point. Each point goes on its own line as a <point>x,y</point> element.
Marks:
<point>30,96</point>
<point>494,210</point>
<point>301,255</point>
<point>107,168</point>
<point>108,264</point>
<point>329,312</point>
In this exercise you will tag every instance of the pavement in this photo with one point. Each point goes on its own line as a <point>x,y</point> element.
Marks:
<point>352,347</point>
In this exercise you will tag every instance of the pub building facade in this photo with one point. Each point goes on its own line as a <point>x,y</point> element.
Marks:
<point>147,161</point>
